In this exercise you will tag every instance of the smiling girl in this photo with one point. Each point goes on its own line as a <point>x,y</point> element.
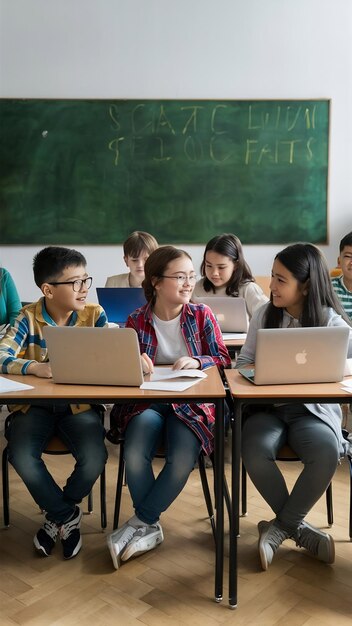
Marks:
<point>226,273</point>
<point>170,330</point>
<point>301,295</point>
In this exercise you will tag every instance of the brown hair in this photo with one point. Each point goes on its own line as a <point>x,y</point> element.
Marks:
<point>139,242</point>
<point>155,266</point>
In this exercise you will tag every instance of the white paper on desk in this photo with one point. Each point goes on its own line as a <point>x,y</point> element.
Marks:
<point>7,385</point>
<point>234,336</point>
<point>170,385</point>
<point>167,379</point>
<point>348,368</point>
<point>167,373</point>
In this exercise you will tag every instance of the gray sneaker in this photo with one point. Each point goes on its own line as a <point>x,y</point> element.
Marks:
<point>146,538</point>
<point>118,540</point>
<point>319,544</point>
<point>271,536</point>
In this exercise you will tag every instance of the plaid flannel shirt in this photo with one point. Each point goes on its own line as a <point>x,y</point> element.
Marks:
<point>24,342</point>
<point>204,341</point>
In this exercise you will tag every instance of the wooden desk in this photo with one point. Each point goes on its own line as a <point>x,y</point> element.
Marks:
<point>234,346</point>
<point>210,389</point>
<point>245,393</point>
<point>234,343</point>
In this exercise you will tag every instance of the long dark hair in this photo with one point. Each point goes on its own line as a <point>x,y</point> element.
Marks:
<point>228,245</point>
<point>155,266</point>
<point>308,265</point>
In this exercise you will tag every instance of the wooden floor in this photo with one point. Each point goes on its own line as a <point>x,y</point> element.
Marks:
<point>173,584</point>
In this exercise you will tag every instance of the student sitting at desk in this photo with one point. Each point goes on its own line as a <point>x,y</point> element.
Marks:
<point>170,330</point>
<point>136,249</point>
<point>10,303</point>
<point>61,275</point>
<point>301,295</point>
<point>226,273</point>
<point>343,284</point>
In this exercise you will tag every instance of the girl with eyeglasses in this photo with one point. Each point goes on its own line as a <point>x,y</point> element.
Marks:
<point>226,273</point>
<point>170,330</point>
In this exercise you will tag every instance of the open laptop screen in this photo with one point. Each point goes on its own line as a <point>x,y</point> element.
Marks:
<point>119,302</point>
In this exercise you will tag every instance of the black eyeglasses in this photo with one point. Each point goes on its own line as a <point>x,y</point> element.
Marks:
<point>77,284</point>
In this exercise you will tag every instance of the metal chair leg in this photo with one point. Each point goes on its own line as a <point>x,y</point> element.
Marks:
<point>206,492</point>
<point>5,488</point>
<point>119,485</point>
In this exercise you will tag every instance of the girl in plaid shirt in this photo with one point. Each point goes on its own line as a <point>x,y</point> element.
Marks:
<point>170,330</point>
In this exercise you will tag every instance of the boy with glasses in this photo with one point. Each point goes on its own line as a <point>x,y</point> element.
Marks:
<point>61,275</point>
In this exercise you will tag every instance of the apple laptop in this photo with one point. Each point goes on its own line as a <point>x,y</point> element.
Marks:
<point>94,356</point>
<point>299,355</point>
<point>230,312</point>
<point>119,302</point>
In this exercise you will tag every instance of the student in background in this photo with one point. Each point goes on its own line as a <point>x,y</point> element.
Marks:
<point>226,273</point>
<point>10,303</point>
<point>301,295</point>
<point>61,275</point>
<point>170,330</point>
<point>343,284</point>
<point>136,249</point>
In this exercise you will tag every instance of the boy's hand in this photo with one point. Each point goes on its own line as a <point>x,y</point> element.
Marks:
<point>147,364</point>
<point>186,363</point>
<point>42,370</point>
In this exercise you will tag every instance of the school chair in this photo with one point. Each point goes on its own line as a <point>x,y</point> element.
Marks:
<point>345,435</point>
<point>160,454</point>
<point>55,447</point>
<point>335,271</point>
<point>287,454</point>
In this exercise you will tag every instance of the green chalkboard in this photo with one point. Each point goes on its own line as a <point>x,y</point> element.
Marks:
<point>92,171</point>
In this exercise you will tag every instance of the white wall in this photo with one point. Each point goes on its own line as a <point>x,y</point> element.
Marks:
<point>183,49</point>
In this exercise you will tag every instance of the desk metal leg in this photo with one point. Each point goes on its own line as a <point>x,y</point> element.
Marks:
<point>235,497</point>
<point>219,498</point>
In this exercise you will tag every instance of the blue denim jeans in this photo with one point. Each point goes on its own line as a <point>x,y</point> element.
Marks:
<point>144,434</point>
<point>83,433</point>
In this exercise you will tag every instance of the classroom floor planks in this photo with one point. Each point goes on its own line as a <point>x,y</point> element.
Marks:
<point>173,584</point>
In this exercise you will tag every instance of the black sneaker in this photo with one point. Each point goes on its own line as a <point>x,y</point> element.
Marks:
<point>45,538</point>
<point>71,536</point>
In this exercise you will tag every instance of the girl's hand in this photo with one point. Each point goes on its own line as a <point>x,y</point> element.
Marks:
<point>147,364</point>
<point>42,370</point>
<point>186,363</point>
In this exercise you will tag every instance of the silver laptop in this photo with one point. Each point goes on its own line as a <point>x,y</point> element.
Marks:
<point>230,312</point>
<point>94,356</point>
<point>299,355</point>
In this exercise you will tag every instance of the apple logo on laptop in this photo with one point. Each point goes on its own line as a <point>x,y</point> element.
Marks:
<point>301,357</point>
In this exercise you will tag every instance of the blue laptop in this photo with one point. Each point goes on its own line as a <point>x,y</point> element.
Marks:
<point>119,302</point>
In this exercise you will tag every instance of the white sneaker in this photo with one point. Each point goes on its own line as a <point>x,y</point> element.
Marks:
<point>144,539</point>
<point>118,540</point>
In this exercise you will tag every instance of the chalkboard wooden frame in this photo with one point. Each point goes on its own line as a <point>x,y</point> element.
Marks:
<point>78,172</point>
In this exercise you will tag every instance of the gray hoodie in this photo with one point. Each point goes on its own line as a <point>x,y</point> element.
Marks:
<point>329,413</point>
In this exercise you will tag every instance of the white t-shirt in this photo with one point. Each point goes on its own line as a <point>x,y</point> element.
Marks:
<point>171,343</point>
